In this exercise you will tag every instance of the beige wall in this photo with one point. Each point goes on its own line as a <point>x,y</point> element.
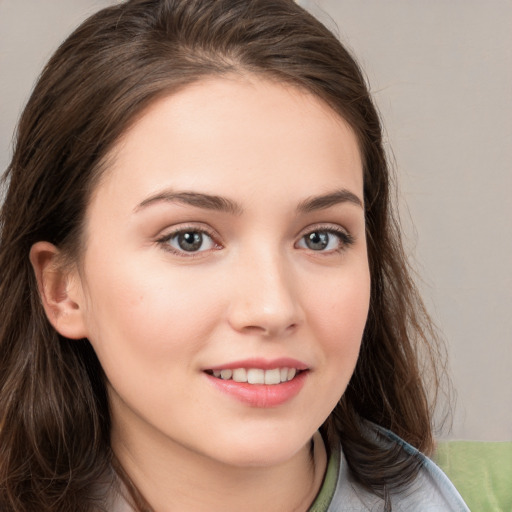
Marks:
<point>441,72</point>
<point>30,30</point>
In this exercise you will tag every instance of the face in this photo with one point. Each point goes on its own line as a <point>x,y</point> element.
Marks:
<point>225,281</point>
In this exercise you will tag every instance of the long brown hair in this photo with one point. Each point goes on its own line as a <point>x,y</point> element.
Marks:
<point>54,414</point>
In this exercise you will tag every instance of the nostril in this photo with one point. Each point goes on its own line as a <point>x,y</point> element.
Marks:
<point>269,330</point>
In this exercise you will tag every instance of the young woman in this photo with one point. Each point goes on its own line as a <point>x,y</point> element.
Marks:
<point>204,300</point>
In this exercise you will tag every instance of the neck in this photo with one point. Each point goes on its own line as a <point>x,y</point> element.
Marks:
<point>177,479</point>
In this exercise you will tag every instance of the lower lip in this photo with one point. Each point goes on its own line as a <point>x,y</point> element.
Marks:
<point>261,395</point>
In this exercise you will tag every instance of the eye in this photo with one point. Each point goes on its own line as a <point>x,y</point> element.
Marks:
<point>325,240</point>
<point>188,241</point>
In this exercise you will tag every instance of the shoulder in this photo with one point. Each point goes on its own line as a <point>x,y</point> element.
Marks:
<point>431,491</point>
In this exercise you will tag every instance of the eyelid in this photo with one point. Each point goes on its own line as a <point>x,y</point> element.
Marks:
<point>163,239</point>
<point>346,238</point>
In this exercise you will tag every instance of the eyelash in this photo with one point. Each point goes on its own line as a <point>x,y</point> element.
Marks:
<point>165,240</point>
<point>345,240</point>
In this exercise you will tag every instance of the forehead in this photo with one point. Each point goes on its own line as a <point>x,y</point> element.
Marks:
<point>232,129</point>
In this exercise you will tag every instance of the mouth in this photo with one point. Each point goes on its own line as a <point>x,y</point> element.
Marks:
<point>259,376</point>
<point>259,382</point>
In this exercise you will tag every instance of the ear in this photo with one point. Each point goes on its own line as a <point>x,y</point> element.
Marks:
<point>60,290</point>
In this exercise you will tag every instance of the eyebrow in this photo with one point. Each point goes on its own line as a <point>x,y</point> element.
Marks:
<point>223,204</point>
<point>325,201</point>
<point>200,200</point>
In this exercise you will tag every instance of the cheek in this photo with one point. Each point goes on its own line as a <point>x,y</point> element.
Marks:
<point>337,313</point>
<point>149,315</point>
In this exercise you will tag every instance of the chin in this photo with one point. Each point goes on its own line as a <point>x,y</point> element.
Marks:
<point>261,451</point>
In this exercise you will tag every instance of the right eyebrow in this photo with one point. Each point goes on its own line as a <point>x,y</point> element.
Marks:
<point>198,199</point>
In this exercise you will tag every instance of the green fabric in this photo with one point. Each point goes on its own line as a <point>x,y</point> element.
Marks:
<point>324,497</point>
<point>481,472</point>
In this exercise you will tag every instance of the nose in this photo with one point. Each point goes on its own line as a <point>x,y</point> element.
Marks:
<point>265,299</point>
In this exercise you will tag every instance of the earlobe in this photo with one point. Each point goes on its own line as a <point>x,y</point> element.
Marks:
<point>60,291</point>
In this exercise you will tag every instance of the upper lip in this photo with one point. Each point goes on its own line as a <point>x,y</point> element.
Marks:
<point>263,364</point>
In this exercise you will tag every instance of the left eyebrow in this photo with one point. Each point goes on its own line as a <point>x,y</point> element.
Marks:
<point>325,201</point>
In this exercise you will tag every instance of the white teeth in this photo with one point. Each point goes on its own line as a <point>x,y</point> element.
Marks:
<point>273,376</point>
<point>257,375</point>
<point>226,374</point>
<point>240,375</point>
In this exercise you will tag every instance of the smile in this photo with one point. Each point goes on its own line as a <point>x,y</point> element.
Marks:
<point>256,375</point>
<point>260,382</point>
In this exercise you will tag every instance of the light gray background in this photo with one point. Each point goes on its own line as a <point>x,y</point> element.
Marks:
<point>441,73</point>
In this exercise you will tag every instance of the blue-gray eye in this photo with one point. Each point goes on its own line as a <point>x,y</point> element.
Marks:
<point>321,240</point>
<point>191,241</point>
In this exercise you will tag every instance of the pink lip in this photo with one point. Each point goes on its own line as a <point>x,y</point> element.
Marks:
<point>261,395</point>
<point>264,364</point>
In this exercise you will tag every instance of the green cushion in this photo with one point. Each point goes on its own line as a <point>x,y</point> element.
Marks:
<point>481,472</point>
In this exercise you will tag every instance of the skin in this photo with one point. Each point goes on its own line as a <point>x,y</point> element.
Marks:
<point>158,316</point>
